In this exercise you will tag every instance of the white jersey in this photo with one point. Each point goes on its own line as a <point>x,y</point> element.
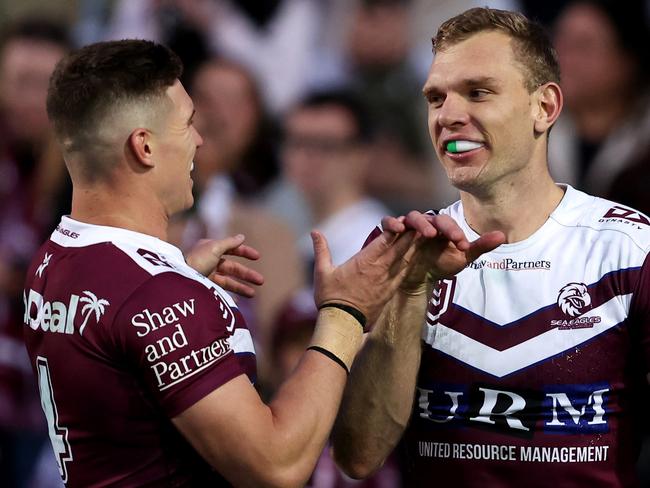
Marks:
<point>535,356</point>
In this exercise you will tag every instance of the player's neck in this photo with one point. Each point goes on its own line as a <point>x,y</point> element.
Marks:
<point>517,210</point>
<point>124,210</point>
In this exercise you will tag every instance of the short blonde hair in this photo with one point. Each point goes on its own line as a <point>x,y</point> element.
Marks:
<point>532,47</point>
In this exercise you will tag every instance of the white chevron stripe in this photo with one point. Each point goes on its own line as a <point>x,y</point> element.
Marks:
<point>548,344</point>
<point>436,302</point>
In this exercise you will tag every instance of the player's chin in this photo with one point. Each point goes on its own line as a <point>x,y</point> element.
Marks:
<point>189,201</point>
<point>460,174</point>
<point>186,203</point>
<point>464,180</point>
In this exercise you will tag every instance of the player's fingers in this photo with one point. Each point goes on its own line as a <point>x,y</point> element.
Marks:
<point>244,251</point>
<point>322,256</point>
<point>402,266</point>
<point>399,255</point>
<point>239,271</point>
<point>393,224</point>
<point>420,223</point>
<point>205,256</point>
<point>486,243</point>
<point>222,246</point>
<point>449,229</point>
<point>381,249</point>
<point>234,286</point>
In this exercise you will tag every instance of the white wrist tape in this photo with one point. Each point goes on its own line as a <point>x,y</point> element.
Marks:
<point>338,333</point>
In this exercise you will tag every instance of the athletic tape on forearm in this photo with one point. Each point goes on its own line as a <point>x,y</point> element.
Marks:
<point>339,333</point>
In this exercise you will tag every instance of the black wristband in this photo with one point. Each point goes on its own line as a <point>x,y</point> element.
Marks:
<point>330,355</point>
<point>357,314</point>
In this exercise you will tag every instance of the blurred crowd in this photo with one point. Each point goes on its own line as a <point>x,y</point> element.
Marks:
<point>312,116</point>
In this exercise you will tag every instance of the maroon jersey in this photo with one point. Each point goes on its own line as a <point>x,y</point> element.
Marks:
<point>123,336</point>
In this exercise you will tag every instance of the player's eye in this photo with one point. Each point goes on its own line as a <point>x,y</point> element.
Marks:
<point>435,99</point>
<point>478,93</point>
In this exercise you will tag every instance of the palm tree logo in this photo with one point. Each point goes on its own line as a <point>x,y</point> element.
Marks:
<point>92,304</point>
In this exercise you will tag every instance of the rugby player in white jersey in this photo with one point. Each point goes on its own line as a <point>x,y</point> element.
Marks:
<point>528,366</point>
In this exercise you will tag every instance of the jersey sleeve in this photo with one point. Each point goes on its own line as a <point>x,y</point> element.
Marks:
<point>177,335</point>
<point>640,311</point>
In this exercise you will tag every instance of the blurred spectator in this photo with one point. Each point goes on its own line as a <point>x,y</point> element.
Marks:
<point>32,188</point>
<point>327,156</point>
<point>632,186</point>
<point>30,157</point>
<point>546,12</point>
<point>233,166</point>
<point>274,39</point>
<point>62,12</point>
<point>602,49</point>
<point>159,20</point>
<point>378,50</point>
<point>240,138</point>
<point>376,63</point>
<point>292,332</point>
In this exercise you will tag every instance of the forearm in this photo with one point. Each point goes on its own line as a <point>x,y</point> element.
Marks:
<point>279,444</point>
<point>302,415</point>
<point>378,399</point>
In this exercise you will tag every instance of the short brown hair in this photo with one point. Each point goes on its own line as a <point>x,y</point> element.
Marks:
<point>532,46</point>
<point>88,82</point>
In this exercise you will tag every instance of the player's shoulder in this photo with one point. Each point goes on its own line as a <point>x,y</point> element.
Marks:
<point>125,259</point>
<point>177,283</point>
<point>168,276</point>
<point>579,209</point>
<point>165,296</point>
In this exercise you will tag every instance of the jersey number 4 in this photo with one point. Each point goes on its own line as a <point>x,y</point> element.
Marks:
<point>58,434</point>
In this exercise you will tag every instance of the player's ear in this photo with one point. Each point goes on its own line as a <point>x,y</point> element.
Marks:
<point>548,105</point>
<point>140,145</point>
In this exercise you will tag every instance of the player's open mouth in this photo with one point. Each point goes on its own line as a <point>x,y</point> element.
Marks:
<point>460,146</point>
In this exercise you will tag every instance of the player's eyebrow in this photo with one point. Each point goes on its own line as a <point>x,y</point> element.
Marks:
<point>481,81</point>
<point>429,89</point>
<point>467,82</point>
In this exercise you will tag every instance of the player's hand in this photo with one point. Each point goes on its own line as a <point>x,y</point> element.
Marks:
<point>368,279</point>
<point>442,247</point>
<point>207,257</point>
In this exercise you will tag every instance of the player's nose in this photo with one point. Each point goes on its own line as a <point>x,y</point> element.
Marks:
<point>198,139</point>
<point>453,111</point>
